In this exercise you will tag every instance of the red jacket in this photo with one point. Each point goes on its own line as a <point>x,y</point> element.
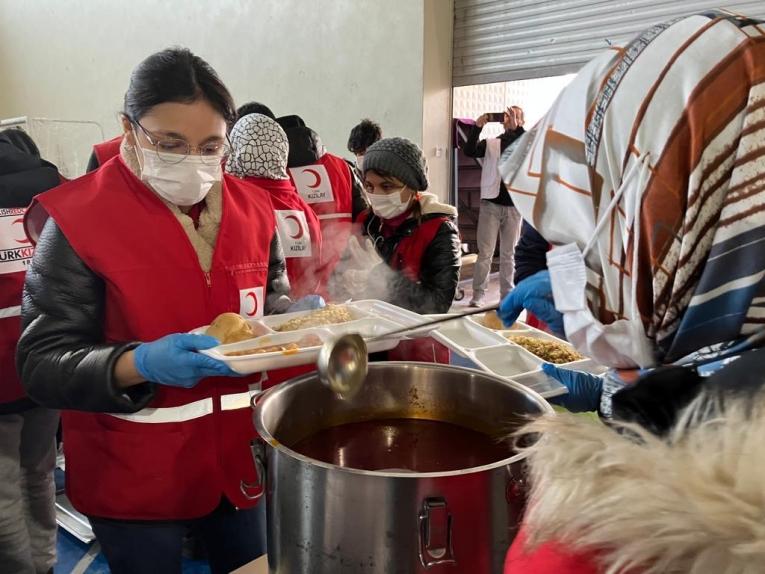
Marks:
<point>299,234</point>
<point>176,459</point>
<point>107,150</point>
<point>327,186</point>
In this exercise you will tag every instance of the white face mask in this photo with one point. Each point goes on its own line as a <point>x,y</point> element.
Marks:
<point>623,343</point>
<point>184,183</point>
<point>360,163</point>
<point>387,206</point>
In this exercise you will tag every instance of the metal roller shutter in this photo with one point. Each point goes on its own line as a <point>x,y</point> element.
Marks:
<point>504,40</point>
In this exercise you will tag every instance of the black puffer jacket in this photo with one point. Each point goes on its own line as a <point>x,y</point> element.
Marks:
<point>62,357</point>
<point>439,270</point>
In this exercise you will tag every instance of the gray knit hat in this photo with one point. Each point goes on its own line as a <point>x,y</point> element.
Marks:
<point>401,158</point>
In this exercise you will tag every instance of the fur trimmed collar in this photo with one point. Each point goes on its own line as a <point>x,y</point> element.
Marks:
<point>693,502</point>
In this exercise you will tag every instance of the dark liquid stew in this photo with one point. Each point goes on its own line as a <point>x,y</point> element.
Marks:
<point>403,445</point>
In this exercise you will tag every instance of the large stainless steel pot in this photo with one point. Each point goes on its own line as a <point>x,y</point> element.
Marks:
<point>326,519</point>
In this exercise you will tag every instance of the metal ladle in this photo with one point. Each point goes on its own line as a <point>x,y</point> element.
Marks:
<point>342,362</point>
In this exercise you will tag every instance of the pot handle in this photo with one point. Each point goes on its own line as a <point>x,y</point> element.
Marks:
<point>435,533</point>
<point>258,449</point>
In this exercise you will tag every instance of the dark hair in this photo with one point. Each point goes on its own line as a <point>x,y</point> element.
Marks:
<point>254,108</point>
<point>291,121</point>
<point>363,135</point>
<point>176,75</point>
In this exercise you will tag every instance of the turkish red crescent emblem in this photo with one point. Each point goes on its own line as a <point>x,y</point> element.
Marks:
<point>22,241</point>
<point>300,231</point>
<point>316,176</point>
<point>251,295</point>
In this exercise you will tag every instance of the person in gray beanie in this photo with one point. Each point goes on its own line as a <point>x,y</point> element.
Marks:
<point>401,157</point>
<point>408,250</point>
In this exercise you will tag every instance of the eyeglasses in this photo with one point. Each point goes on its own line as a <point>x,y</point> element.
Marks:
<point>175,150</point>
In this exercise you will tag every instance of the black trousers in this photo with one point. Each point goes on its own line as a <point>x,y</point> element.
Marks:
<point>232,539</point>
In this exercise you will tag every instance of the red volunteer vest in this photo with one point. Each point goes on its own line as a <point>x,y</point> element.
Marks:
<point>410,250</point>
<point>327,187</point>
<point>407,258</point>
<point>299,234</point>
<point>107,150</point>
<point>15,254</point>
<point>176,459</point>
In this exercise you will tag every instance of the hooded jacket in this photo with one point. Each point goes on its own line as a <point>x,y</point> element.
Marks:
<point>23,173</point>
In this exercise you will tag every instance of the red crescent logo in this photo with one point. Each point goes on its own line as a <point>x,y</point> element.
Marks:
<point>317,178</point>
<point>300,231</point>
<point>22,241</point>
<point>254,298</point>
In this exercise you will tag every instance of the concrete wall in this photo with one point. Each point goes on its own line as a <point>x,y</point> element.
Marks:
<point>331,61</point>
<point>437,93</point>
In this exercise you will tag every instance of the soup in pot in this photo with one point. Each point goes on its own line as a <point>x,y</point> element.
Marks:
<point>412,445</point>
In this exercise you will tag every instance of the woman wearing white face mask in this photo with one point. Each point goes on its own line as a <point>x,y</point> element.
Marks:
<point>154,243</point>
<point>409,250</point>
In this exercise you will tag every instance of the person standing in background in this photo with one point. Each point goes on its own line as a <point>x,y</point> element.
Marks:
<point>27,430</point>
<point>497,214</point>
<point>363,135</point>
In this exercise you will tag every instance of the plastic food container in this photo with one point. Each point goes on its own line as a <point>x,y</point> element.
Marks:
<point>369,318</point>
<point>494,352</point>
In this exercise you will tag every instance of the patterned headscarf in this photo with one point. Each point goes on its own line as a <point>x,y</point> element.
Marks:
<point>259,148</point>
<point>675,121</point>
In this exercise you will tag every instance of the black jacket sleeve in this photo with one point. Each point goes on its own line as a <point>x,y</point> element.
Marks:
<point>530,253</point>
<point>61,356</point>
<point>278,284</point>
<point>473,147</point>
<point>439,275</point>
<point>357,188</point>
<point>92,163</point>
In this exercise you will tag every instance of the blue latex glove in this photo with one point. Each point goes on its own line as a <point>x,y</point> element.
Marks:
<point>534,294</point>
<point>173,360</point>
<point>584,389</point>
<point>307,303</point>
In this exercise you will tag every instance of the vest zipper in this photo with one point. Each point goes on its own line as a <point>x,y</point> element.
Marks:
<point>208,279</point>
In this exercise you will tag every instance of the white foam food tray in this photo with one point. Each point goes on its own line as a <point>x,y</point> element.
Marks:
<point>492,351</point>
<point>369,319</point>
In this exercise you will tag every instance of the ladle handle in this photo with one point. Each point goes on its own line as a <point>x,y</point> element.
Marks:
<point>435,322</point>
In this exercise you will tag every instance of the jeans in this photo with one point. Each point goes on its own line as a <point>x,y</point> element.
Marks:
<point>494,219</point>
<point>232,538</point>
<point>27,491</point>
